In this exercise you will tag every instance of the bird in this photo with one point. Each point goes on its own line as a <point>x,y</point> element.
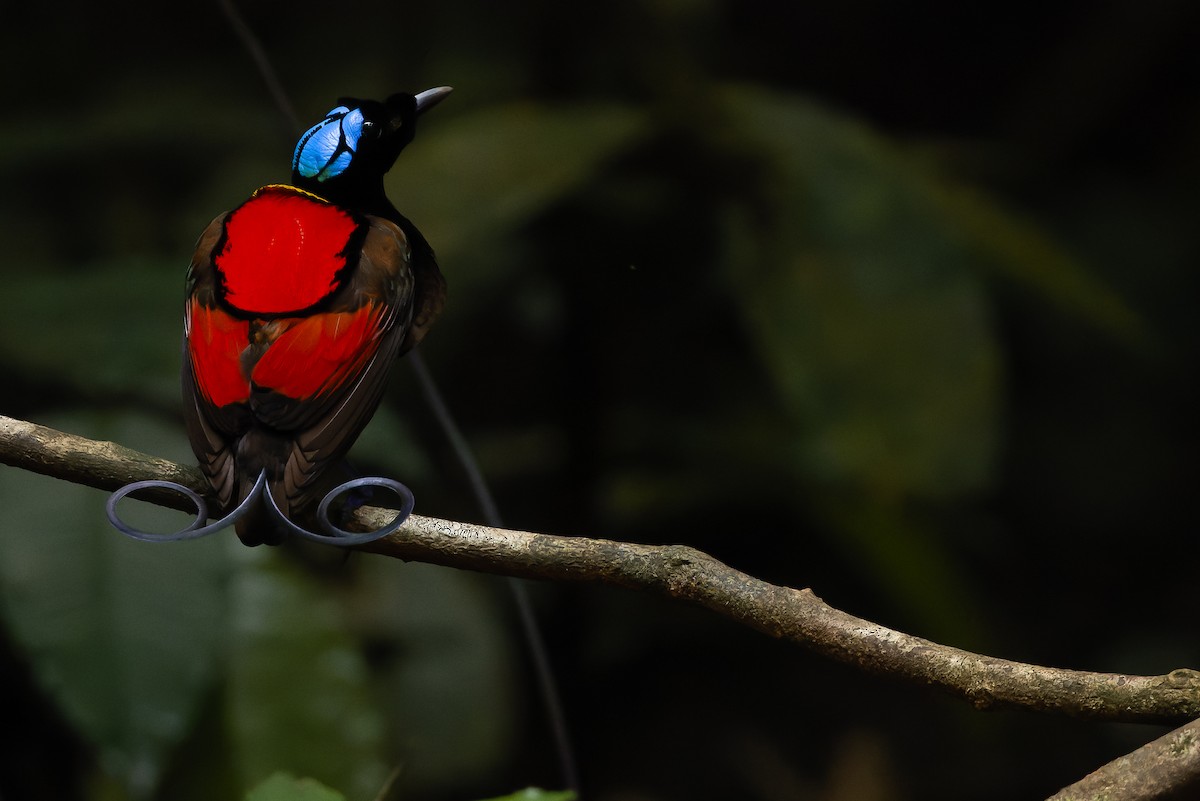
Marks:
<point>298,303</point>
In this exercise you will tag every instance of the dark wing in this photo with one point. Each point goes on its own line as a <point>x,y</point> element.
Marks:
<point>290,395</point>
<point>322,378</point>
<point>212,385</point>
<point>430,287</point>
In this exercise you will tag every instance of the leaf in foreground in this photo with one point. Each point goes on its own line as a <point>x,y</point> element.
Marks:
<point>536,794</point>
<point>123,635</point>
<point>284,787</point>
<point>297,694</point>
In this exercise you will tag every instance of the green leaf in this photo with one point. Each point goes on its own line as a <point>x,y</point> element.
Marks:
<point>445,667</point>
<point>1016,249</point>
<point>867,304</point>
<point>125,636</point>
<point>860,187</point>
<point>866,307</point>
<point>285,787</point>
<point>535,794</point>
<point>297,696</point>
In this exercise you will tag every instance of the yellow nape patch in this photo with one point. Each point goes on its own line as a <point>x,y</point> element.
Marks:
<point>289,188</point>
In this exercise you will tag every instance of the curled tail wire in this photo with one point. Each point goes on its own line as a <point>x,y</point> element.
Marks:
<point>260,509</point>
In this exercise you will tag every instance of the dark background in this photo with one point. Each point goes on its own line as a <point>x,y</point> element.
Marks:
<point>890,301</point>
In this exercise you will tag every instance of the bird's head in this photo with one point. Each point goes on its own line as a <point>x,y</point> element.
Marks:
<point>345,156</point>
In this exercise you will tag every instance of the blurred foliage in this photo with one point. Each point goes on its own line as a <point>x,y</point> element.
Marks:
<point>284,787</point>
<point>535,794</point>
<point>896,304</point>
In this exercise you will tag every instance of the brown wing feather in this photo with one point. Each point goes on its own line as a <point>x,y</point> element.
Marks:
<point>210,431</point>
<point>384,277</point>
<point>430,297</point>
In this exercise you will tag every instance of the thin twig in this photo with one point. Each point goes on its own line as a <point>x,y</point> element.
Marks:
<point>262,62</point>
<point>546,681</point>
<point>679,572</point>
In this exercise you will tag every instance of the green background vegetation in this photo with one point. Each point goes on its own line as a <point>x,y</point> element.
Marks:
<point>895,301</point>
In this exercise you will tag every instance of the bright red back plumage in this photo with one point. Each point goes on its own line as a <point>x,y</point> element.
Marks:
<point>283,251</point>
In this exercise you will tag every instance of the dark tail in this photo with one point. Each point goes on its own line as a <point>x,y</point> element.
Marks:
<point>258,526</point>
<point>257,452</point>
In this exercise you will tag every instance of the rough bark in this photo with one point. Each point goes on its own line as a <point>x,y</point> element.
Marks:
<point>676,571</point>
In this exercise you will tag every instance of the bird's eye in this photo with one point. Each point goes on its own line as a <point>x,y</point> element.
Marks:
<point>370,130</point>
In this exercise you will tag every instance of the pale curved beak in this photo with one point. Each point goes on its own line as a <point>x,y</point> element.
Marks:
<point>431,97</point>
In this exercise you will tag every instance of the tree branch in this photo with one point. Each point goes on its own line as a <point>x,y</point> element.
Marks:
<point>676,571</point>
<point>1168,767</point>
